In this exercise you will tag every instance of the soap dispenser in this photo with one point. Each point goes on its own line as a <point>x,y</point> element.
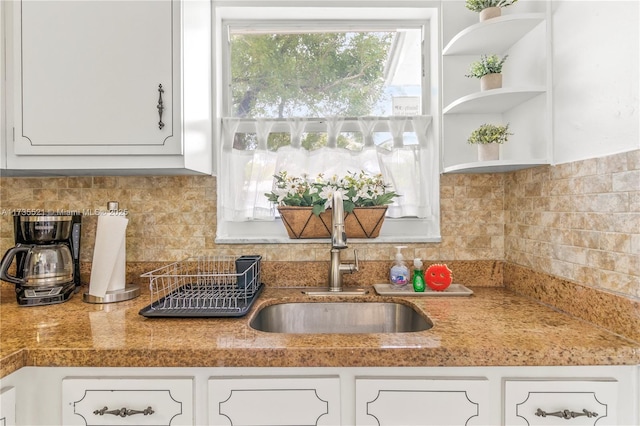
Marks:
<point>418,276</point>
<point>399,274</point>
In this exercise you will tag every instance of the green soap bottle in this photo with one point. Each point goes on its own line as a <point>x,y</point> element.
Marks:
<point>418,276</point>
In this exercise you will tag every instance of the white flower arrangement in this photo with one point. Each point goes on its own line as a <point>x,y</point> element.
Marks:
<point>358,190</point>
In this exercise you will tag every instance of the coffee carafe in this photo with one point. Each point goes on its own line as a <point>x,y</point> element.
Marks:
<point>42,265</point>
<point>46,258</point>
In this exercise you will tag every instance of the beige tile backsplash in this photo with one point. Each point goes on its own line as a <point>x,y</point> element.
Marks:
<point>579,221</point>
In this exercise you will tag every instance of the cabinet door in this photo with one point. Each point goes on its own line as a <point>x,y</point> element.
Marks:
<point>555,402</point>
<point>422,401</point>
<point>8,406</point>
<point>262,401</point>
<point>127,401</point>
<point>91,77</point>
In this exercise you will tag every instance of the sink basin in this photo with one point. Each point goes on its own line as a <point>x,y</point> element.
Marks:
<point>339,317</point>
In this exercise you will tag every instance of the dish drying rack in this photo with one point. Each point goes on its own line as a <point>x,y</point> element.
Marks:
<point>209,286</point>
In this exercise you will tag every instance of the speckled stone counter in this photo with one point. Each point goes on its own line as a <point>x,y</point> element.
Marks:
<point>494,327</point>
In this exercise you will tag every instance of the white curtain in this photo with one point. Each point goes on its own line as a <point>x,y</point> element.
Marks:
<point>410,166</point>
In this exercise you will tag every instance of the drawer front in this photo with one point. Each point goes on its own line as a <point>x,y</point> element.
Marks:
<point>422,401</point>
<point>127,401</point>
<point>262,401</point>
<point>8,406</point>
<point>561,402</point>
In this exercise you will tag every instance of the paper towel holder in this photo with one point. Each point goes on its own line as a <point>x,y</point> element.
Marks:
<point>129,291</point>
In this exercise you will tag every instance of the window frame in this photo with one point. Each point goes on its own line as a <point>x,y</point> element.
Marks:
<point>327,18</point>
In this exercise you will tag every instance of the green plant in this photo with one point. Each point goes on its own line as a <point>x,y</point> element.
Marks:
<point>479,5</point>
<point>486,65</point>
<point>489,133</point>
<point>358,190</point>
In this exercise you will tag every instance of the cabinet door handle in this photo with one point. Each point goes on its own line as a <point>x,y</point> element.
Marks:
<point>123,412</point>
<point>566,414</point>
<point>160,106</point>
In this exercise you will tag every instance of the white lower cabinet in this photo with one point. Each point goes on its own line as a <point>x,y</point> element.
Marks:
<point>8,406</point>
<point>348,396</point>
<point>264,401</point>
<point>554,402</point>
<point>127,401</point>
<point>422,401</point>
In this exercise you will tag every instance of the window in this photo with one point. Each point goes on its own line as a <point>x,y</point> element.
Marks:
<point>337,69</point>
<point>329,95</point>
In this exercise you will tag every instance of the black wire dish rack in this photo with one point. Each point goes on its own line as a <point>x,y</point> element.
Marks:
<point>208,286</point>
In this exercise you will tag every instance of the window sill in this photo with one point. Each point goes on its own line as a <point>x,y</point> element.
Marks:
<point>272,232</point>
<point>286,240</point>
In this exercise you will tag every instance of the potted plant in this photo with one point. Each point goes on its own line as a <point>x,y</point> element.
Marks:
<point>488,137</point>
<point>304,203</point>
<point>488,8</point>
<point>489,70</point>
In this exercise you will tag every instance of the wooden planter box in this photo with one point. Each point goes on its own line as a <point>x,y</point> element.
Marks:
<point>300,222</point>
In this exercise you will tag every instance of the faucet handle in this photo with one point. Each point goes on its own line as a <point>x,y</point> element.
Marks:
<point>349,267</point>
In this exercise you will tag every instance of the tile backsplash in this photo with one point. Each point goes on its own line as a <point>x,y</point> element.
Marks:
<point>579,221</point>
<point>172,217</point>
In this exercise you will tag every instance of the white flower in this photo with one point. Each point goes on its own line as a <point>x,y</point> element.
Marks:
<point>362,193</point>
<point>281,193</point>
<point>327,192</point>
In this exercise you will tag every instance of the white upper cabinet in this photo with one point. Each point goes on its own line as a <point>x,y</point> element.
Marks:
<point>523,102</point>
<point>89,75</point>
<point>99,85</point>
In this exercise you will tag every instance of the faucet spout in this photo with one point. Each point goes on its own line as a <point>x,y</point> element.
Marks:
<point>338,234</point>
<point>338,242</point>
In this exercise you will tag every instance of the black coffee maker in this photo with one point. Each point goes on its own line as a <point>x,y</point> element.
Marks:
<point>47,257</point>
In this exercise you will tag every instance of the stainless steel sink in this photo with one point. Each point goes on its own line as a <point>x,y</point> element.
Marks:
<point>339,317</point>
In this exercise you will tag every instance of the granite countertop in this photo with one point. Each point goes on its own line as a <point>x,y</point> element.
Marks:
<point>493,327</point>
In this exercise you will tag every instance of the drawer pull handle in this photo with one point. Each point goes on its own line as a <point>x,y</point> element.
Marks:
<point>123,412</point>
<point>567,414</point>
<point>160,106</point>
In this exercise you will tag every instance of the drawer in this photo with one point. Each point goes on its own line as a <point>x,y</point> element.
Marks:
<point>127,401</point>
<point>8,406</point>
<point>561,402</point>
<point>285,400</point>
<point>422,401</point>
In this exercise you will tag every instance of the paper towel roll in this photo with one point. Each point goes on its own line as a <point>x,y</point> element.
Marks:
<point>108,270</point>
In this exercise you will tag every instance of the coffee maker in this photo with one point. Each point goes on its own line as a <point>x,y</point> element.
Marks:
<point>47,257</point>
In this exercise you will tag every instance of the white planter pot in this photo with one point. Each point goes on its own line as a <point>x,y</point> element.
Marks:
<point>488,152</point>
<point>489,12</point>
<point>490,81</point>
